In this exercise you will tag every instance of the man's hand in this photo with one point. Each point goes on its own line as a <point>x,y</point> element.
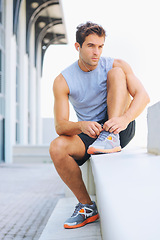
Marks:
<point>116,124</point>
<point>92,129</point>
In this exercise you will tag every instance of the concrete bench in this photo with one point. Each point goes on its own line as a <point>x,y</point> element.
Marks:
<point>127,190</point>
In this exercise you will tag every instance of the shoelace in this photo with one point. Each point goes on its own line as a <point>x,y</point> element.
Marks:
<point>103,135</point>
<point>77,208</point>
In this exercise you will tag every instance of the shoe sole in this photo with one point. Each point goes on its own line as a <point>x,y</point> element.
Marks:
<point>88,220</point>
<point>93,150</point>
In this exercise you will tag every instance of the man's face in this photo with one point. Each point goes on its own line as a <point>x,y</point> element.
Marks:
<point>91,49</point>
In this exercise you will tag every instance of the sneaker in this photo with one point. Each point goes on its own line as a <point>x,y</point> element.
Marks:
<point>106,143</point>
<point>83,214</point>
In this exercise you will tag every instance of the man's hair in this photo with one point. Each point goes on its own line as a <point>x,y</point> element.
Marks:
<point>84,30</point>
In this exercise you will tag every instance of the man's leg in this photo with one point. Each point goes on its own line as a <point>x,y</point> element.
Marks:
<point>62,151</point>
<point>118,101</point>
<point>118,98</point>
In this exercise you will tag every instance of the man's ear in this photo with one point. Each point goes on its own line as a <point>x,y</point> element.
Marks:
<point>77,46</point>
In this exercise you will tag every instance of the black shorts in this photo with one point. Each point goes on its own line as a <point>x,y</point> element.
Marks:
<point>125,137</point>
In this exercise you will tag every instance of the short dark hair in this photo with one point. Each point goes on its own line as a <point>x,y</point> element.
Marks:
<point>84,30</point>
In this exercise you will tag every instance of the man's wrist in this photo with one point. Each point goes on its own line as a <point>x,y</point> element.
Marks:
<point>127,117</point>
<point>80,126</point>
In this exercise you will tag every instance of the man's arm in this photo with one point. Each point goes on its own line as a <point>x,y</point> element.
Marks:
<point>61,113</point>
<point>138,103</point>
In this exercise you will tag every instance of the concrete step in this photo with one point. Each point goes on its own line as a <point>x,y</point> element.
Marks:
<point>31,154</point>
<point>54,229</point>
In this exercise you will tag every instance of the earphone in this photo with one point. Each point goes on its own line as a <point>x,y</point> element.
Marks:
<point>82,60</point>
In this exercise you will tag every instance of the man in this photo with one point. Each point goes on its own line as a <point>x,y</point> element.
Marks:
<point>99,90</point>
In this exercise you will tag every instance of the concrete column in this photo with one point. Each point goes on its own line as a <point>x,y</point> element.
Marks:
<point>23,68</point>
<point>10,86</point>
<point>38,100</point>
<point>32,87</point>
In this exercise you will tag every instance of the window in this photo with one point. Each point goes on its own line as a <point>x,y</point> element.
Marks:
<point>0,71</point>
<point>2,81</point>
<point>2,36</point>
<point>0,11</point>
<point>2,122</point>
<point>0,60</point>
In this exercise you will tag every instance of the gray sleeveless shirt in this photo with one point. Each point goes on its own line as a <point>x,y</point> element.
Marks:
<point>88,90</point>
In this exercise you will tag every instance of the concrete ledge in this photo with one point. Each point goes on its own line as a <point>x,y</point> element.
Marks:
<point>31,154</point>
<point>54,229</point>
<point>153,119</point>
<point>128,196</point>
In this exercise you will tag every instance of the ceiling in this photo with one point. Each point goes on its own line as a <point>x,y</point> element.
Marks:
<point>47,17</point>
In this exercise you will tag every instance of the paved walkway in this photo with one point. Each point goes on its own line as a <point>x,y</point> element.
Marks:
<point>28,195</point>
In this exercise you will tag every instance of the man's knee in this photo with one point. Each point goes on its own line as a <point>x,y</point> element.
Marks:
<point>56,149</point>
<point>115,74</point>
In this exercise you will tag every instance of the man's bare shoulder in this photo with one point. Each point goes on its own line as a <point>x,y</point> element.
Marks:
<point>60,80</point>
<point>60,84</point>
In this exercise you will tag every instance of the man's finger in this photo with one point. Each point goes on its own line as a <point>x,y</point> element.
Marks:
<point>106,126</point>
<point>99,126</point>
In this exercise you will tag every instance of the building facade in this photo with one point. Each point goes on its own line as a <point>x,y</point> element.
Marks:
<point>27,28</point>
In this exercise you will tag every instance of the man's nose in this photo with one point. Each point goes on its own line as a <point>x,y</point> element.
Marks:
<point>96,51</point>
